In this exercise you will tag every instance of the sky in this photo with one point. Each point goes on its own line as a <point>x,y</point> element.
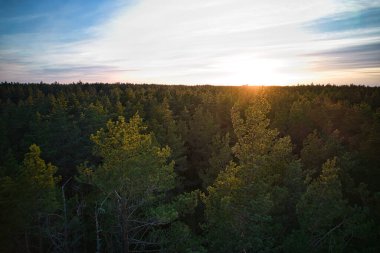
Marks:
<point>218,42</point>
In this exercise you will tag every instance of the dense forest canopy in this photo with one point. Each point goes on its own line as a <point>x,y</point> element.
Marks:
<point>155,168</point>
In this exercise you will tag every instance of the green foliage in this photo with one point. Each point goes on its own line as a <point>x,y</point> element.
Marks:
<point>37,173</point>
<point>179,238</point>
<point>221,155</point>
<point>27,199</point>
<point>261,170</point>
<point>327,222</point>
<point>322,203</point>
<point>11,216</point>
<point>317,150</point>
<point>238,214</point>
<point>131,164</point>
<point>135,176</point>
<point>241,203</point>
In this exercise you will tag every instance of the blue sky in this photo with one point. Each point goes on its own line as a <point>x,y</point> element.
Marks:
<point>65,18</point>
<point>218,42</point>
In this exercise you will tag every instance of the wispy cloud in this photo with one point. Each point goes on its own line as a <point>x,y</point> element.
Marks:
<point>81,69</point>
<point>352,36</point>
<point>214,41</point>
<point>353,57</point>
<point>349,20</point>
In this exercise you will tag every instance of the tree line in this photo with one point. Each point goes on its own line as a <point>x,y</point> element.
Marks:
<point>156,168</point>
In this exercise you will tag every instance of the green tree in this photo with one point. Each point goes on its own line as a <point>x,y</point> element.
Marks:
<point>327,222</point>
<point>166,131</point>
<point>27,200</point>
<point>242,201</point>
<point>202,129</point>
<point>40,191</point>
<point>316,150</point>
<point>133,181</point>
<point>221,155</point>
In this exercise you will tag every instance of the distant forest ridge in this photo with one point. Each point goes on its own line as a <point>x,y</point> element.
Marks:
<point>190,85</point>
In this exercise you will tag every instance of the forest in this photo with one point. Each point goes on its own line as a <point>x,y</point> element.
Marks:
<point>170,168</point>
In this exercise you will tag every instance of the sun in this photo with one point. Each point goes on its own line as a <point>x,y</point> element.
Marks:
<point>252,70</point>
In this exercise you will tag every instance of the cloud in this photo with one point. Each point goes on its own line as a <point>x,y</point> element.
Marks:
<point>349,20</point>
<point>81,69</point>
<point>209,41</point>
<point>194,42</point>
<point>352,57</point>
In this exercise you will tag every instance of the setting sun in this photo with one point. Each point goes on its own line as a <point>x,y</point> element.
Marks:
<point>192,42</point>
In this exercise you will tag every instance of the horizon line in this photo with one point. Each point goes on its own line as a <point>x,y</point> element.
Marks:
<point>179,84</point>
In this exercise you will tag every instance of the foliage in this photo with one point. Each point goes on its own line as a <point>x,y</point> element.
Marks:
<point>277,169</point>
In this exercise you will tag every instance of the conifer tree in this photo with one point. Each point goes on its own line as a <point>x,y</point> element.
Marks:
<point>132,184</point>
<point>241,203</point>
<point>327,222</point>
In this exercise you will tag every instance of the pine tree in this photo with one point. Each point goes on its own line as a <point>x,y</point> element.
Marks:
<point>327,222</point>
<point>28,200</point>
<point>241,203</point>
<point>132,181</point>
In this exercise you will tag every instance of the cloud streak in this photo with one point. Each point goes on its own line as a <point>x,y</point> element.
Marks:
<point>354,57</point>
<point>215,41</point>
<point>349,20</point>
